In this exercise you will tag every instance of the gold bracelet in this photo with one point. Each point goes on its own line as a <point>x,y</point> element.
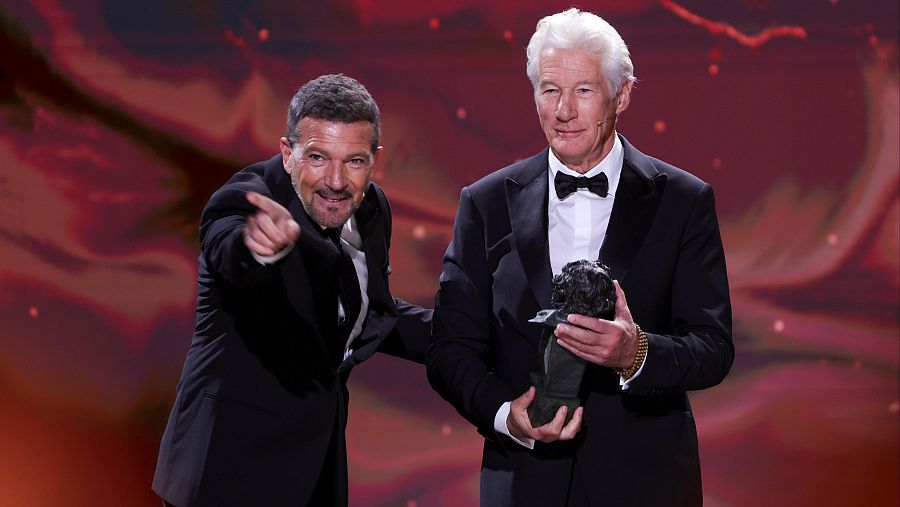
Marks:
<point>639,356</point>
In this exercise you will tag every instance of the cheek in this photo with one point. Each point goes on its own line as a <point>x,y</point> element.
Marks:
<point>546,125</point>
<point>306,182</point>
<point>545,113</point>
<point>601,112</point>
<point>359,182</point>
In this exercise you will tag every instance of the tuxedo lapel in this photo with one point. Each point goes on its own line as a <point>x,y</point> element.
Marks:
<point>637,199</point>
<point>374,240</point>
<point>312,245</point>
<point>373,222</point>
<point>526,195</point>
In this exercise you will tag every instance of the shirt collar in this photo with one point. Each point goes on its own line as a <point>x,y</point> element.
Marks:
<point>350,233</point>
<point>611,165</point>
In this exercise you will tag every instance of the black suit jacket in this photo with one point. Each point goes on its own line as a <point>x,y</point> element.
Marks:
<point>637,447</point>
<point>261,407</point>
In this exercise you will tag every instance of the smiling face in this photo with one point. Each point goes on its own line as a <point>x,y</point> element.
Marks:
<point>576,112</point>
<point>330,166</point>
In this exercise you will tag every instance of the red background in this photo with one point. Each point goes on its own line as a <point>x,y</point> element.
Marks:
<point>119,119</point>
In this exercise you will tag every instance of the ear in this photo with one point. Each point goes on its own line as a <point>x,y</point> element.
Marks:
<point>286,152</point>
<point>624,97</point>
<point>375,157</point>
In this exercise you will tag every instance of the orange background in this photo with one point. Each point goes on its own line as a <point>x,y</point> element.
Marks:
<point>119,119</point>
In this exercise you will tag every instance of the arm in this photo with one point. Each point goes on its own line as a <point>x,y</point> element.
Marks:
<point>457,359</point>
<point>411,335</point>
<point>240,226</point>
<point>412,332</point>
<point>699,351</point>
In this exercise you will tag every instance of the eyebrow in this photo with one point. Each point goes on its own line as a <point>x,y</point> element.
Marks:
<point>545,82</point>
<point>320,149</point>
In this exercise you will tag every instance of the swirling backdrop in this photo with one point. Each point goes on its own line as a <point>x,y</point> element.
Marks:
<point>119,119</point>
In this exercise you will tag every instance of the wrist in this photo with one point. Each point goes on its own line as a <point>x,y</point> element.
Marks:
<point>639,356</point>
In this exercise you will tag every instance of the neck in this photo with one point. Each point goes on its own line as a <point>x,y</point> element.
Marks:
<point>591,160</point>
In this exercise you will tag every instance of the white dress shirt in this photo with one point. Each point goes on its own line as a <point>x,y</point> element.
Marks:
<point>576,225</point>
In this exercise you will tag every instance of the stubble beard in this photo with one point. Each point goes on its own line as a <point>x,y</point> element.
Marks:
<point>323,217</point>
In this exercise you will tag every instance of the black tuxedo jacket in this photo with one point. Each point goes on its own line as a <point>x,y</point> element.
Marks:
<point>261,407</point>
<point>637,447</point>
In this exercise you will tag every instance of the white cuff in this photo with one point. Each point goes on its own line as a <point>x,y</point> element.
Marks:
<point>625,383</point>
<point>265,260</point>
<point>500,426</point>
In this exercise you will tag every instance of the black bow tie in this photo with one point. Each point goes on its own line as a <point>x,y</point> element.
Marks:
<point>566,185</point>
<point>334,234</point>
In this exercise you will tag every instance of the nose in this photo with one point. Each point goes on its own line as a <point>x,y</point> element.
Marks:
<point>335,178</point>
<point>565,108</point>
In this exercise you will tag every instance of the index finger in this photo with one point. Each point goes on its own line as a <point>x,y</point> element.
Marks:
<point>552,428</point>
<point>570,430</point>
<point>265,204</point>
<point>594,324</point>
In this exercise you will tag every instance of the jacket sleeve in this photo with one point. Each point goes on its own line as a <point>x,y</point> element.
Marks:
<point>699,352</point>
<point>457,361</point>
<point>222,233</point>
<point>412,332</point>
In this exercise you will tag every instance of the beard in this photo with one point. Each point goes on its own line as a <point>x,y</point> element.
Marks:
<point>328,216</point>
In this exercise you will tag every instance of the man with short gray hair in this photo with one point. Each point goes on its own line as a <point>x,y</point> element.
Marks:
<point>292,294</point>
<point>590,195</point>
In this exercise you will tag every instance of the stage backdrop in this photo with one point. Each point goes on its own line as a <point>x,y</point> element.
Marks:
<point>119,118</point>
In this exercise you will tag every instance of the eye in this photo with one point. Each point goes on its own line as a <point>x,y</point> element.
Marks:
<point>356,162</point>
<point>316,159</point>
<point>584,92</point>
<point>550,91</point>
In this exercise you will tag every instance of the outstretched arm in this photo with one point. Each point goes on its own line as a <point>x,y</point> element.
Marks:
<point>239,228</point>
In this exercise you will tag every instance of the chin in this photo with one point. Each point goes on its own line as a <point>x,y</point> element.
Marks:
<point>332,220</point>
<point>324,216</point>
<point>568,150</point>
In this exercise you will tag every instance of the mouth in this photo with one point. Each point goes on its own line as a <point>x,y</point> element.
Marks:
<point>329,208</point>
<point>566,134</point>
<point>333,197</point>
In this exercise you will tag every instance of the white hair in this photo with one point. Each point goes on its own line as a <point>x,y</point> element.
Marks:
<point>578,30</point>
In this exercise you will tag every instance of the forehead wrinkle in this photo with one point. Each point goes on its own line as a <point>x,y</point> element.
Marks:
<point>336,139</point>
<point>327,148</point>
<point>577,72</point>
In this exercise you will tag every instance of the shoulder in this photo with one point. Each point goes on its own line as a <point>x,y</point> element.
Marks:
<point>651,168</point>
<point>678,178</point>
<point>378,193</point>
<point>232,194</point>
<point>375,202</point>
<point>520,172</point>
<point>374,209</point>
<point>250,178</point>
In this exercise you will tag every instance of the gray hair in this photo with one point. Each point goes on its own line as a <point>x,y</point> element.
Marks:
<point>578,30</point>
<point>333,97</point>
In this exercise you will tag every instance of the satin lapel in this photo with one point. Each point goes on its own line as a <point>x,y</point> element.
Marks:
<point>294,271</point>
<point>526,196</point>
<point>637,199</point>
<point>371,228</point>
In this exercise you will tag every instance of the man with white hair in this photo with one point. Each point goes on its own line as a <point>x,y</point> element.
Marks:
<point>590,195</point>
